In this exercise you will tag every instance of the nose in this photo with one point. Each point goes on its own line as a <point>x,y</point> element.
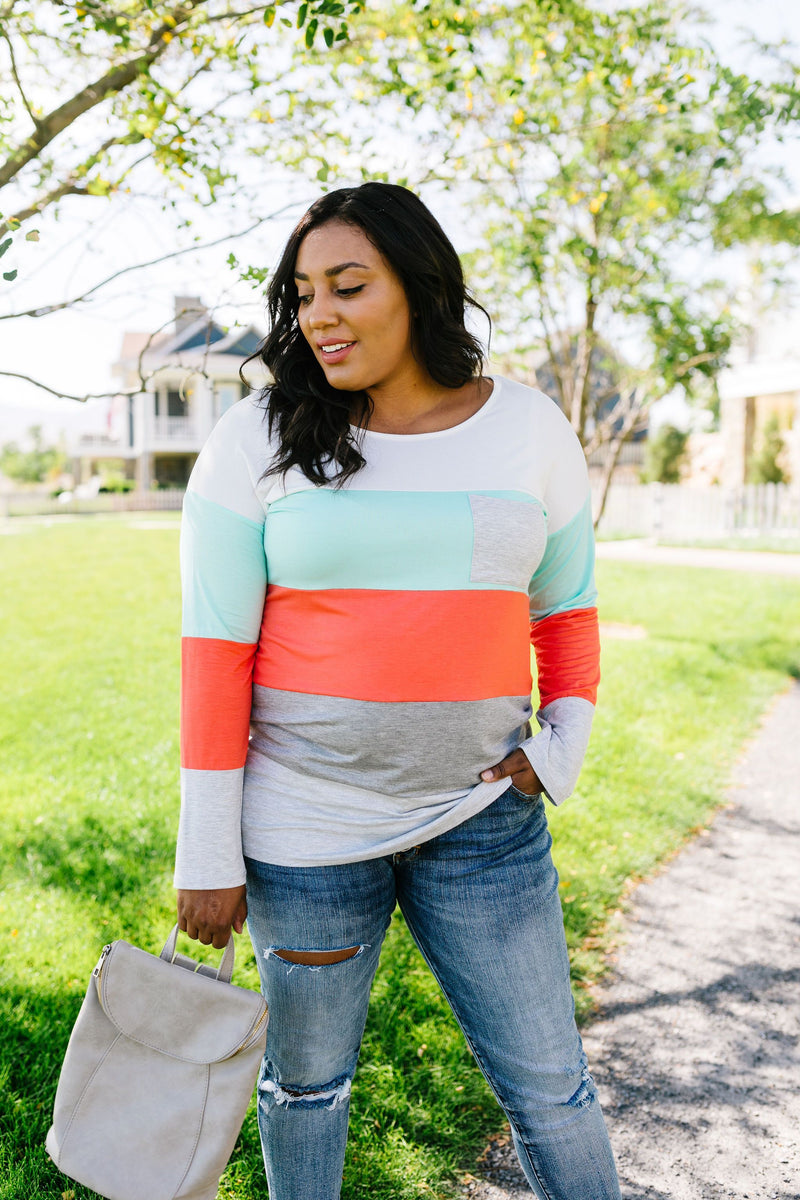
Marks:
<point>320,314</point>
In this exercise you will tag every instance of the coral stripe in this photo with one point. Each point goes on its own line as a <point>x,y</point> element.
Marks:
<point>395,646</point>
<point>567,649</point>
<point>216,695</point>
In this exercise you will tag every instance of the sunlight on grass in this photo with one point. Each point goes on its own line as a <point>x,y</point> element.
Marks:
<point>90,616</point>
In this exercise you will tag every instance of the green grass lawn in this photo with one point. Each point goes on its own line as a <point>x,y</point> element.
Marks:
<point>89,616</point>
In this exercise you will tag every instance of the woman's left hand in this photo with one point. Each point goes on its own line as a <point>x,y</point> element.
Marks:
<point>515,766</point>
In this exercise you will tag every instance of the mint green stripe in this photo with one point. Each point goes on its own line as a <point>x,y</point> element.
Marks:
<point>565,577</point>
<point>223,570</point>
<point>348,538</point>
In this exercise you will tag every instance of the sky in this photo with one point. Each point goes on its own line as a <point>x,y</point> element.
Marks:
<point>76,349</point>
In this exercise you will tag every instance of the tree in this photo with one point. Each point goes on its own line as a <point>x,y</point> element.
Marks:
<point>612,160</point>
<point>31,466</point>
<point>100,100</point>
<point>765,465</point>
<point>666,455</point>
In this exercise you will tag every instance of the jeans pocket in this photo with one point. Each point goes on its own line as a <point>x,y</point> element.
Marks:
<point>528,797</point>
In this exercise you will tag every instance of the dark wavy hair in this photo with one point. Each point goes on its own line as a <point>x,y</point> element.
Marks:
<point>312,419</point>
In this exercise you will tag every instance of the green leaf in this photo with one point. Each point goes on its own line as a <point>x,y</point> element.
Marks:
<point>10,275</point>
<point>302,13</point>
<point>269,16</point>
<point>4,246</point>
<point>328,35</point>
<point>32,235</point>
<point>311,32</point>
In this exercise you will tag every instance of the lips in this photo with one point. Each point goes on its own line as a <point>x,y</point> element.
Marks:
<point>333,352</point>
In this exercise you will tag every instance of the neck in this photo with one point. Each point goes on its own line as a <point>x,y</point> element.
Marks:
<point>426,407</point>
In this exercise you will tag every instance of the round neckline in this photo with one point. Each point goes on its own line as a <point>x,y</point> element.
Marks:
<point>435,433</point>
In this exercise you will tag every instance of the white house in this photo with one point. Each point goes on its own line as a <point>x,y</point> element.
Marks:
<point>764,382</point>
<point>191,377</point>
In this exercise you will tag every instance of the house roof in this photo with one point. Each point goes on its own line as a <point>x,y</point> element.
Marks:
<point>134,343</point>
<point>760,377</point>
<point>203,333</point>
<point>200,334</point>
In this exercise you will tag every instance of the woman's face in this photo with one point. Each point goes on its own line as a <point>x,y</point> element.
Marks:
<point>353,311</point>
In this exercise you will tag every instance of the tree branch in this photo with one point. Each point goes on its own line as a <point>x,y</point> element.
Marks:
<point>66,395</point>
<point>637,402</point>
<point>248,12</point>
<point>47,309</point>
<point>17,79</point>
<point>69,186</point>
<point>114,81</point>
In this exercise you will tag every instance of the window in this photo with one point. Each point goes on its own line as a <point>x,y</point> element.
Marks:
<point>226,395</point>
<point>170,403</point>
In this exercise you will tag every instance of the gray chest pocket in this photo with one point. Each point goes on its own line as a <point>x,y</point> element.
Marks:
<point>509,538</point>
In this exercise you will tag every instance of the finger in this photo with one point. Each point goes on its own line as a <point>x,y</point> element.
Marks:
<point>510,765</point>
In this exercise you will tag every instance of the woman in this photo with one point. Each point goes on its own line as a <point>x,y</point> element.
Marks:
<point>364,571</point>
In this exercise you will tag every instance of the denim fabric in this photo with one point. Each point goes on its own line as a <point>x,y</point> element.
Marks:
<point>481,902</point>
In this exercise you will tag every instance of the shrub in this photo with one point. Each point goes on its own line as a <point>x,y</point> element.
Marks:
<point>765,465</point>
<point>666,455</point>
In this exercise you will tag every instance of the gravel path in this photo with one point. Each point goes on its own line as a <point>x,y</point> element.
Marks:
<point>696,1046</point>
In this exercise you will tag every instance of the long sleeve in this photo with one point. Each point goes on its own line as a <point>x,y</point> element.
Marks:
<point>224,578</point>
<point>564,629</point>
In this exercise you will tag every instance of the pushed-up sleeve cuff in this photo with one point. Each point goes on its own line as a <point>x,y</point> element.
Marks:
<point>209,853</point>
<point>557,752</point>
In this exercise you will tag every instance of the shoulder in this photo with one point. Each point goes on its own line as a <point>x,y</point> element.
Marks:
<point>245,420</point>
<point>240,433</point>
<point>234,457</point>
<point>531,409</point>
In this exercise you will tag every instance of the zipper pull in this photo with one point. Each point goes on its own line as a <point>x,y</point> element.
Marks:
<point>104,955</point>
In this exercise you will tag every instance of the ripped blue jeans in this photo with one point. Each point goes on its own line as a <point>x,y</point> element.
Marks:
<point>481,902</point>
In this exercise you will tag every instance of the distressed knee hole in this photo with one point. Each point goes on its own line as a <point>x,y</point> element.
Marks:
<point>327,1096</point>
<point>585,1093</point>
<point>317,958</point>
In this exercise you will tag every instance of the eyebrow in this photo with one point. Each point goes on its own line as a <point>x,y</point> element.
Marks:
<point>334,270</point>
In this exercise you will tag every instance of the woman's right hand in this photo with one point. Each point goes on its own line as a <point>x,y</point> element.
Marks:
<point>208,916</point>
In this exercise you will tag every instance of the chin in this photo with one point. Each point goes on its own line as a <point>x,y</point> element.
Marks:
<point>342,382</point>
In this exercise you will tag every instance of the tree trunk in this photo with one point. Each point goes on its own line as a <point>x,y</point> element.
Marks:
<point>614,449</point>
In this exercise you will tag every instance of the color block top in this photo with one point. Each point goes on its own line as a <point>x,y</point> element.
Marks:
<point>353,658</point>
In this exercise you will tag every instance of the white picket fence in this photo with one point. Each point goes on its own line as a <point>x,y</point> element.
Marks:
<point>31,504</point>
<point>632,510</point>
<point>661,510</point>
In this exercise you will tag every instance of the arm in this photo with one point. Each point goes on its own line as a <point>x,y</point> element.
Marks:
<point>564,633</point>
<point>565,637</point>
<point>223,572</point>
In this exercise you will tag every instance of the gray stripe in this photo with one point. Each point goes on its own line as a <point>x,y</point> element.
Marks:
<point>556,753</point>
<point>398,749</point>
<point>210,833</point>
<point>296,821</point>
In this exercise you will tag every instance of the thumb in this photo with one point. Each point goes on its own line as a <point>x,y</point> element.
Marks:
<point>492,773</point>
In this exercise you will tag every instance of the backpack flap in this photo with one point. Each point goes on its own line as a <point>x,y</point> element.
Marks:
<point>180,1013</point>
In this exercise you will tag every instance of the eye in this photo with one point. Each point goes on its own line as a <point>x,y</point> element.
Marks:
<point>350,291</point>
<point>304,300</point>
